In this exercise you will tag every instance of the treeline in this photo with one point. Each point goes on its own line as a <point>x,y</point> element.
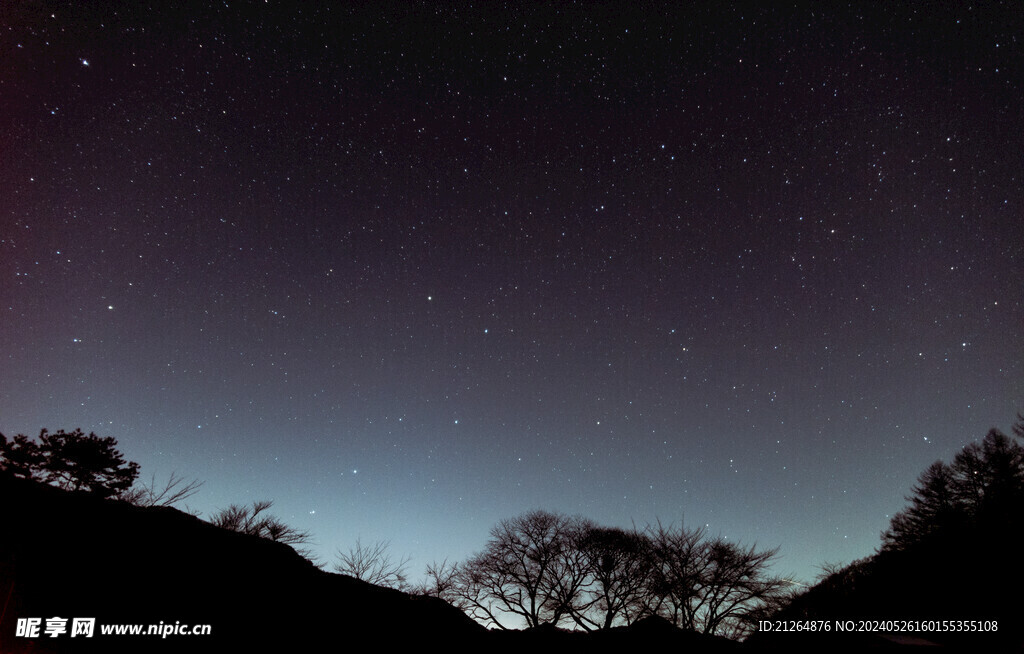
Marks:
<point>536,569</point>
<point>69,460</point>
<point>943,556</point>
<point>546,568</point>
<point>948,559</point>
<point>74,461</point>
<point>978,493</point>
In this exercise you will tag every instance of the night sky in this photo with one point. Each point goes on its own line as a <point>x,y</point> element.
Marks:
<point>408,270</point>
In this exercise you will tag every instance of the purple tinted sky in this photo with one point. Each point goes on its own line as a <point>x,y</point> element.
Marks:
<point>408,271</point>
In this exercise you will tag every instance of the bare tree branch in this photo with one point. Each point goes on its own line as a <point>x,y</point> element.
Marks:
<point>373,564</point>
<point>177,489</point>
<point>255,522</point>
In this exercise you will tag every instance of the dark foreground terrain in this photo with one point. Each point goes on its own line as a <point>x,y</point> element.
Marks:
<point>73,555</point>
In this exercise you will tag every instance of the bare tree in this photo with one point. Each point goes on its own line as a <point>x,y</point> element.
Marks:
<point>679,563</point>
<point>470,591</point>
<point>520,572</point>
<point>737,587</point>
<point>711,586</point>
<point>256,522</point>
<point>177,489</point>
<point>828,569</point>
<point>442,580</point>
<point>547,568</point>
<point>373,564</point>
<point>571,575</point>
<point>618,566</point>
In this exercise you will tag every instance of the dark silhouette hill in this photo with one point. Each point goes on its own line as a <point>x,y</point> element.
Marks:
<point>74,555</point>
<point>971,579</point>
<point>951,559</point>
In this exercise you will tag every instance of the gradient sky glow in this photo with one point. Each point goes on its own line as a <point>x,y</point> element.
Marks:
<point>408,270</point>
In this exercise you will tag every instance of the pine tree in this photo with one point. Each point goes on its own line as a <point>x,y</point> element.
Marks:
<point>982,489</point>
<point>72,461</point>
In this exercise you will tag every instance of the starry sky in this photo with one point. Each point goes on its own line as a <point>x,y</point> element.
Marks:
<point>410,269</point>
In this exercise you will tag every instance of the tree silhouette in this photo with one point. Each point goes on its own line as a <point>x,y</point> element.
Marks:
<point>950,553</point>
<point>737,587</point>
<point>982,488</point>
<point>71,461</point>
<point>619,565</point>
<point>988,477</point>
<point>373,564</point>
<point>712,586</point>
<point>255,521</point>
<point>441,581</point>
<point>680,566</point>
<point>177,489</point>
<point>521,571</point>
<point>547,568</point>
<point>20,457</point>
<point>933,507</point>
